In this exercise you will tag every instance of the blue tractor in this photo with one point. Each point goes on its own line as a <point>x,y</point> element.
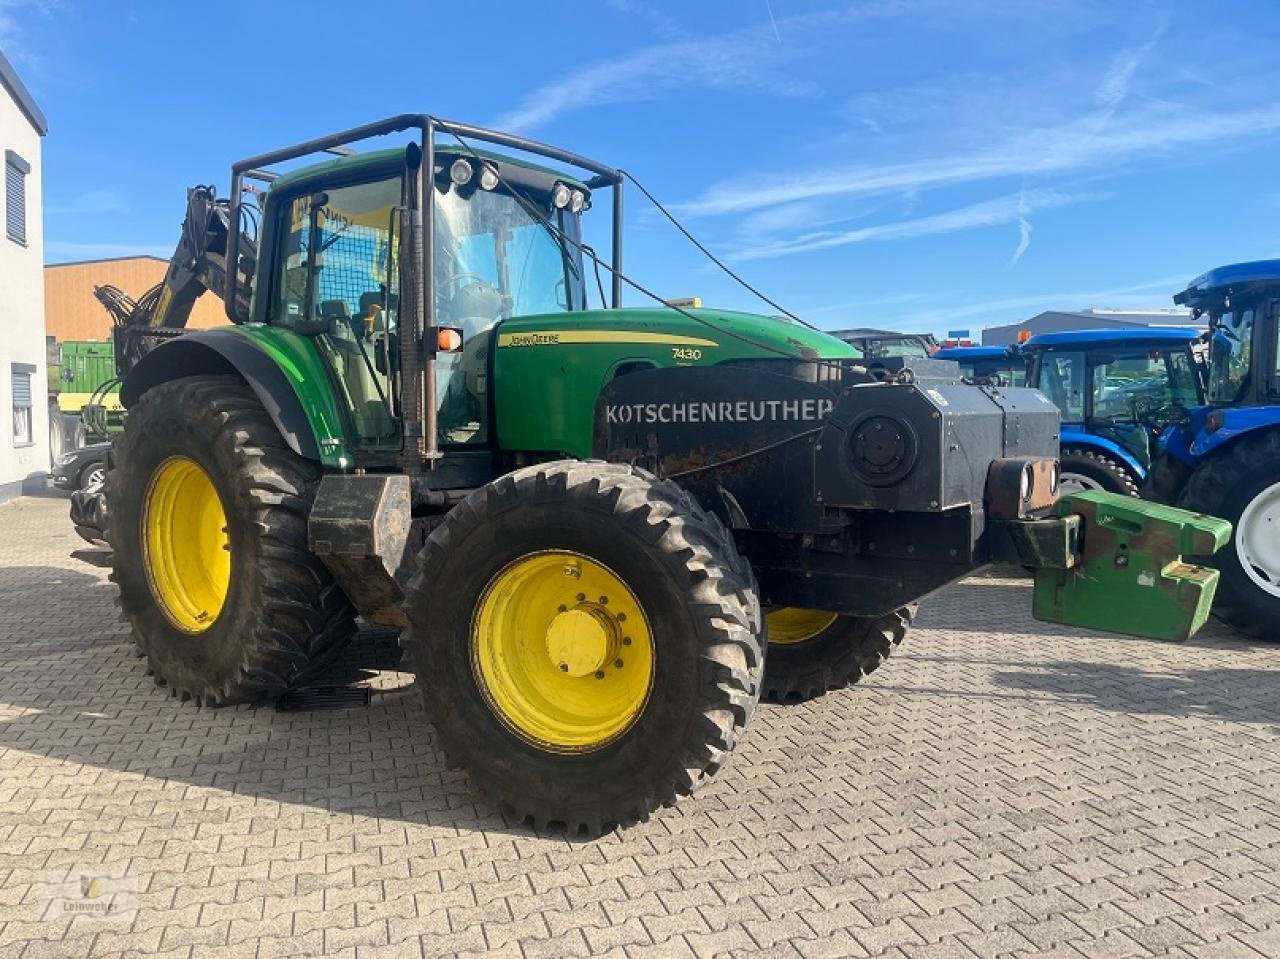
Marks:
<point>1223,457</point>
<point>997,365</point>
<point>1117,391</point>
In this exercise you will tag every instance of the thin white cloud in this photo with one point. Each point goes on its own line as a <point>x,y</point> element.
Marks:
<point>1005,209</point>
<point>742,60</point>
<point>1084,143</point>
<point>1115,82</point>
<point>15,26</point>
<point>751,59</point>
<point>1153,294</point>
<point>1024,228</point>
<point>661,24</point>
<point>63,251</point>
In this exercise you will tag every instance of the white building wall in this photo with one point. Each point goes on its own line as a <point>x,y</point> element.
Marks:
<point>22,312</point>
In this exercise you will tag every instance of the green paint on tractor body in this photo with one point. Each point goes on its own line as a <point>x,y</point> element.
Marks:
<point>550,369</point>
<point>298,359</point>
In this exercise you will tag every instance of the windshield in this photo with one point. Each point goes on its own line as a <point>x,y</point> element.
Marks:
<point>912,348</point>
<point>495,260</point>
<point>1230,346</point>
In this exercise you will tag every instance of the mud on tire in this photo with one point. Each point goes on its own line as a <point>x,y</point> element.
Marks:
<point>695,591</point>
<point>284,618</point>
<point>850,648</point>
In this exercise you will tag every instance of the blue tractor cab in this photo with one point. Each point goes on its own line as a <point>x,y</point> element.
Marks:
<point>1223,456</point>
<point>1117,390</point>
<point>996,365</point>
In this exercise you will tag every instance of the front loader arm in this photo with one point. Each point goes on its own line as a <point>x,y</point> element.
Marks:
<point>199,263</point>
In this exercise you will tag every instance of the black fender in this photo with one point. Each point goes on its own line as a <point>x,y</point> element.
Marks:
<point>214,352</point>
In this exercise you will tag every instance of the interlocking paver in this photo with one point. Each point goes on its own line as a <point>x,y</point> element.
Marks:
<point>1001,787</point>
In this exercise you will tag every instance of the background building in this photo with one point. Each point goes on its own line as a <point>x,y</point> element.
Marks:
<point>24,437</point>
<point>72,312</point>
<point>1055,321</point>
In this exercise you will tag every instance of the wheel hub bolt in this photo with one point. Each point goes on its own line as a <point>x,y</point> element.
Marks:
<point>564,667</point>
<point>599,674</point>
<point>617,664</point>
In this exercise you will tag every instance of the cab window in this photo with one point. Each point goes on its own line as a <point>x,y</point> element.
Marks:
<point>1230,352</point>
<point>1062,381</point>
<point>338,278</point>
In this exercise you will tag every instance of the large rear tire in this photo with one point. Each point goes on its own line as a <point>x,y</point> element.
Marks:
<point>811,652</point>
<point>207,521</point>
<point>587,642</point>
<point>1242,484</point>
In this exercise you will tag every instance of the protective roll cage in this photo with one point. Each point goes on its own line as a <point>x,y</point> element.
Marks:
<point>418,350</point>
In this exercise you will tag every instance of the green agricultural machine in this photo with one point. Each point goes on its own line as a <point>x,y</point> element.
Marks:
<point>606,533</point>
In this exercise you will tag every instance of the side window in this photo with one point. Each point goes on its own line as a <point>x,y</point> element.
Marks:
<point>1062,380</point>
<point>20,378</point>
<point>338,278</point>
<point>15,196</point>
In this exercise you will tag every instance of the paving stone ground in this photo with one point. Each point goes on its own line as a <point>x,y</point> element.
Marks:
<point>1000,787</point>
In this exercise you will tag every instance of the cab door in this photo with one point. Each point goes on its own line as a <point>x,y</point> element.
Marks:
<point>337,280</point>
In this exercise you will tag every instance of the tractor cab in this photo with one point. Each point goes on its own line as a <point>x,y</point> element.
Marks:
<point>1223,457</point>
<point>1117,390</point>
<point>1242,306</point>
<point>990,365</point>
<point>885,344</point>
<point>505,241</point>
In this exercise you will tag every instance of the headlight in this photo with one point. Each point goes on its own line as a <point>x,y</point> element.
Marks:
<point>488,177</point>
<point>560,196</point>
<point>1053,480</point>
<point>65,459</point>
<point>578,201</point>
<point>460,172</point>
<point>1028,482</point>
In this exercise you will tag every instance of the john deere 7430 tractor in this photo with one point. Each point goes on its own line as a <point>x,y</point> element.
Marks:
<point>605,532</point>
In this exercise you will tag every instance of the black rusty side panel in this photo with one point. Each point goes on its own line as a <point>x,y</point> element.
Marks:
<point>360,527</point>
<point>881,562</point>
<point>740,440</point>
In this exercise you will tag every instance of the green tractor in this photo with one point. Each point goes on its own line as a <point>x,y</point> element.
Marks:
<point>595,526</point>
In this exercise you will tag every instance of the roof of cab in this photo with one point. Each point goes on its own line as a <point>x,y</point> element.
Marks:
<point>972,353</point>
<point>1219,281</point>
<point>376,158</point>
<point>1137,335</point>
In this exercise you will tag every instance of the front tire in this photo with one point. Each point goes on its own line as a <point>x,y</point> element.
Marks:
<point>587,642</point>
<point>1242,484</point>
<point>206,512</point>
<point>811,652</point>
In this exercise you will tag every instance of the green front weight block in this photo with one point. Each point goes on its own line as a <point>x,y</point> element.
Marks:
<point>1130,575</point>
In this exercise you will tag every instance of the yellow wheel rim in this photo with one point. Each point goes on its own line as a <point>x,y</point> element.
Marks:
<point>562,652</point>
<point>791,624</point>
<point>185,548</point>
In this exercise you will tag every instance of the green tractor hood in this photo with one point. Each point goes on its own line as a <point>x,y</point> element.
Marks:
<point>549,369</point>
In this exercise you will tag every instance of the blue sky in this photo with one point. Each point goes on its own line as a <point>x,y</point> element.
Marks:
<point>913,164</point>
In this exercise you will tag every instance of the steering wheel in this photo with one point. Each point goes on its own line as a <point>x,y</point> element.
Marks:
<point>1152,414</point>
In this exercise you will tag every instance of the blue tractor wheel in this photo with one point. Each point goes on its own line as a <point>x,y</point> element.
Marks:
<point>1084,469</point>
<point>1242,484</point>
